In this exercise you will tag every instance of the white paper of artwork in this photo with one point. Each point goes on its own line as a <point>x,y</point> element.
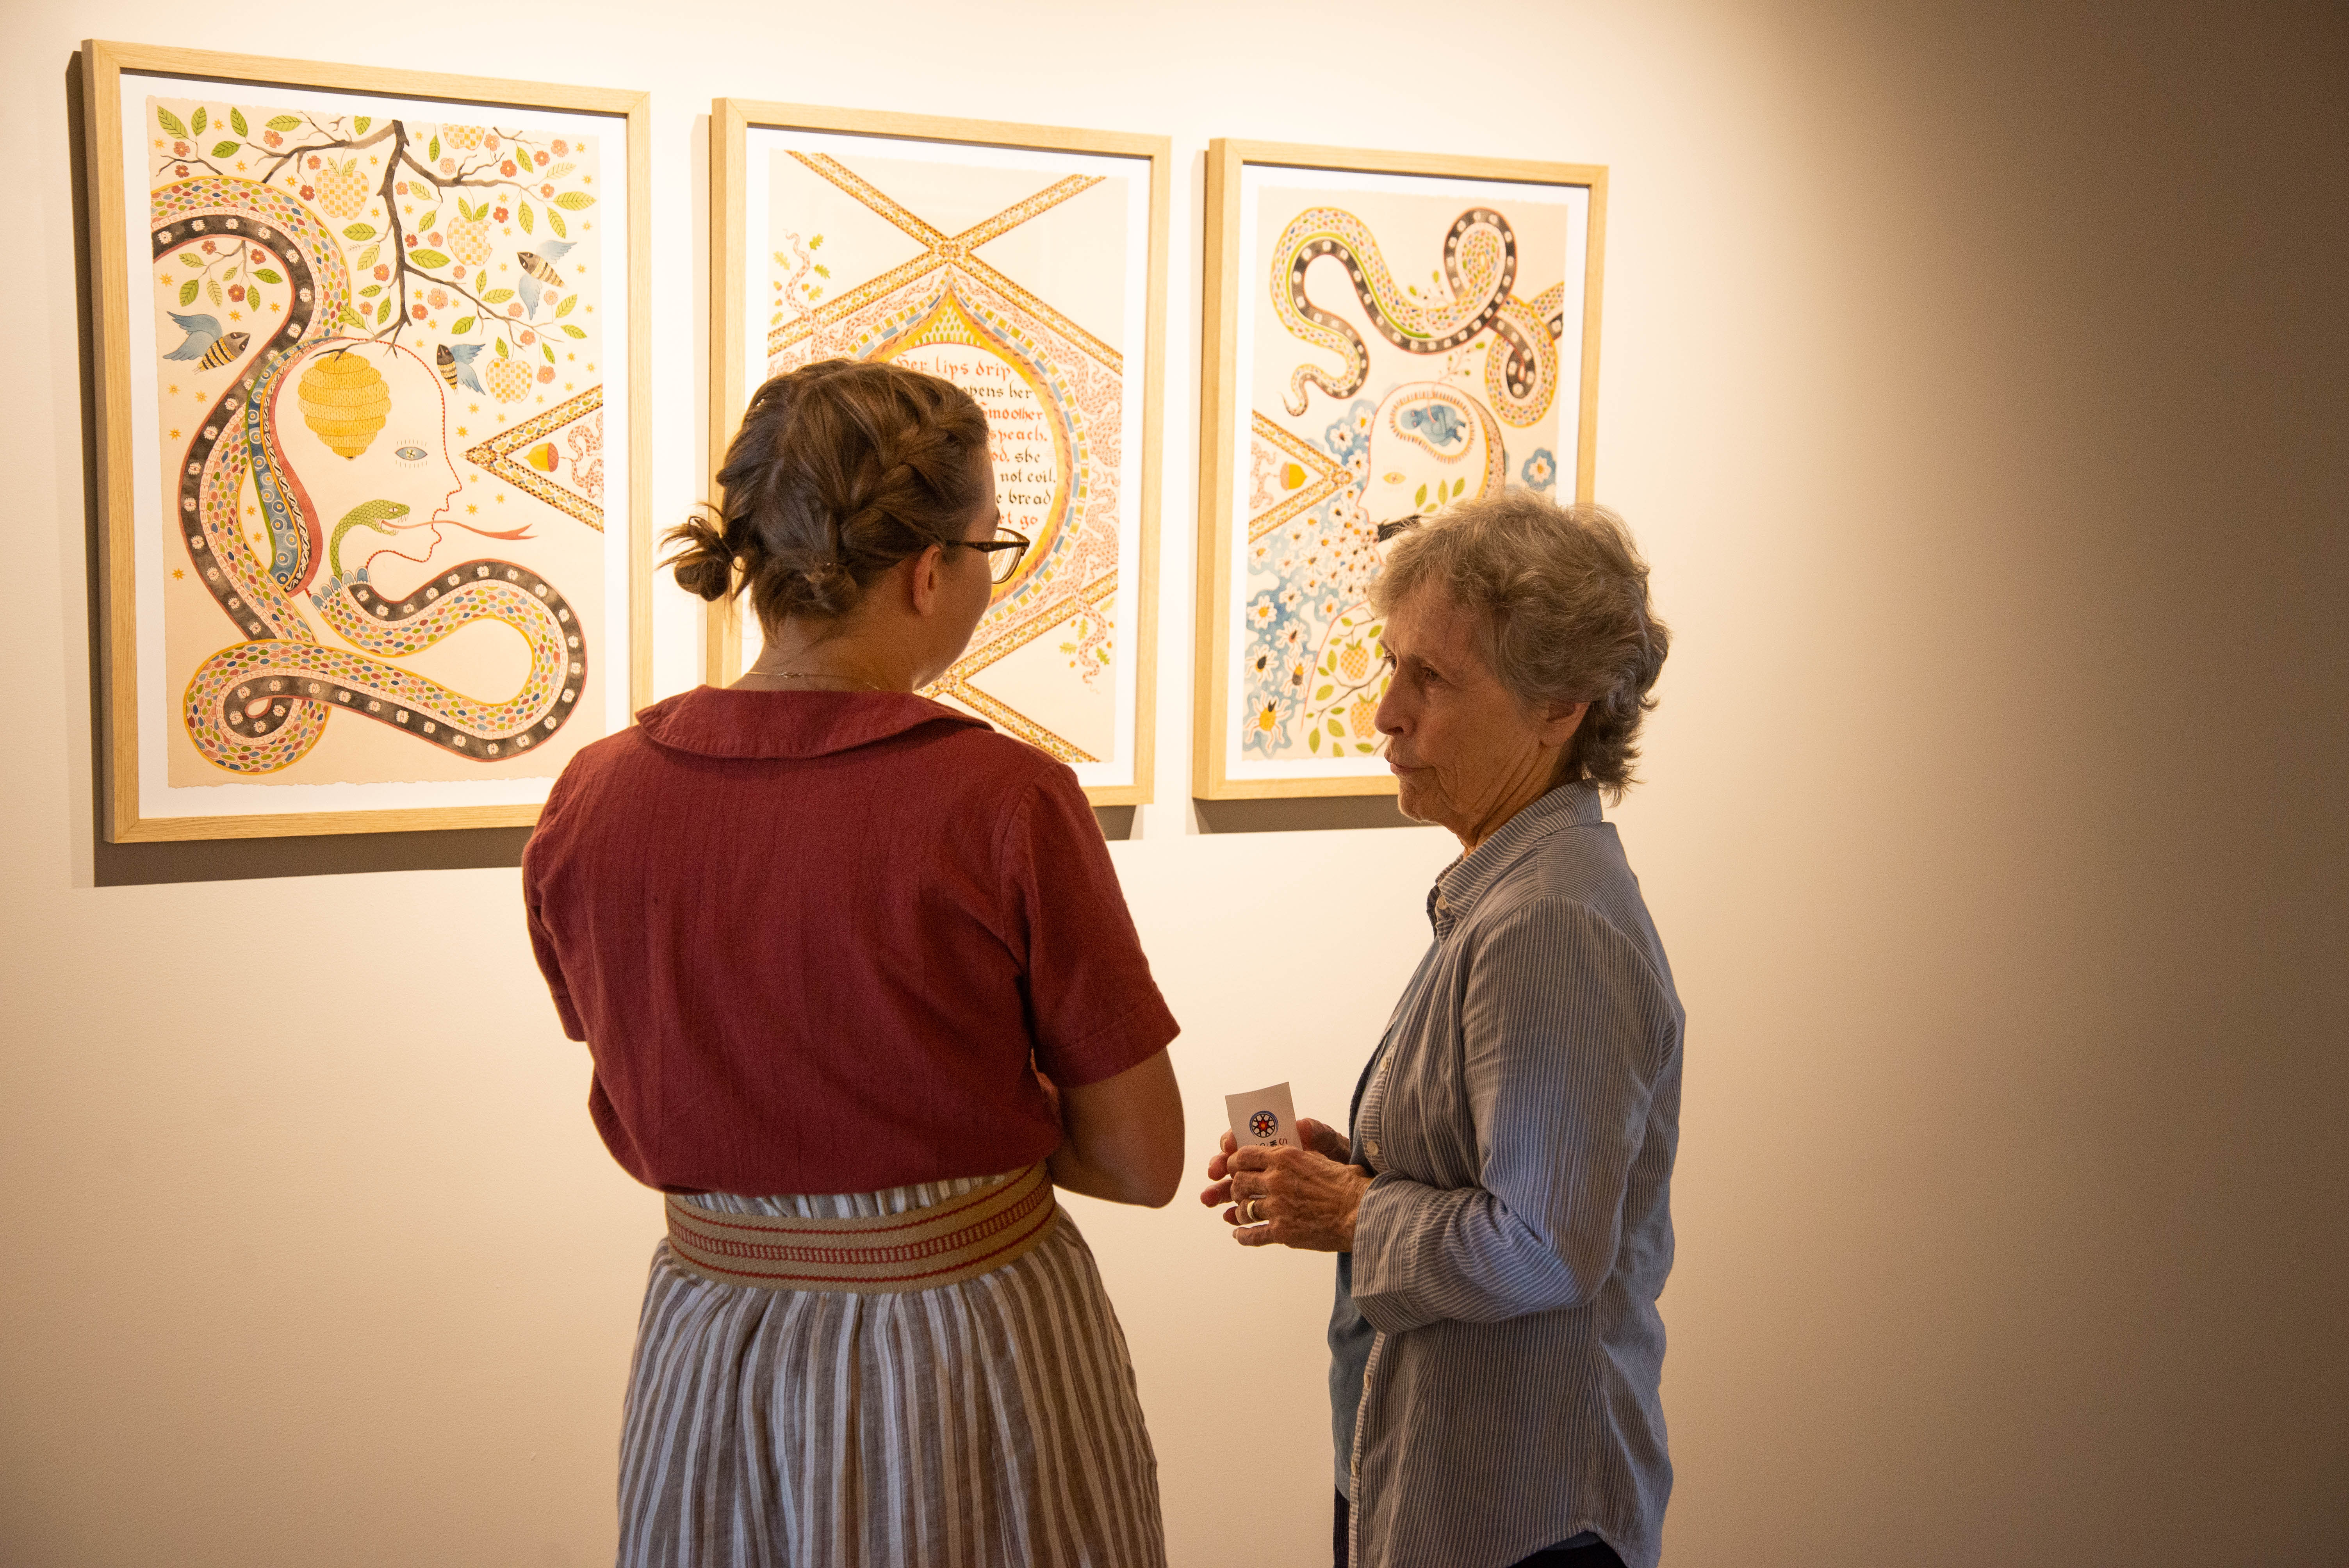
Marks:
<point>382,545</point>
<point>1023,277</point>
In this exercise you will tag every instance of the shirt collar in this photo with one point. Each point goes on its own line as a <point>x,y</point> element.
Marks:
<point>715,721</point>
<point>1459,884</point>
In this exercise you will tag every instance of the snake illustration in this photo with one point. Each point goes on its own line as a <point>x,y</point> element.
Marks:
<point>1480,265</point>
<point>260,705</point>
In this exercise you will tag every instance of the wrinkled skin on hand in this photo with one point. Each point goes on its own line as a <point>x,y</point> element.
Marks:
<point>1306,1198</point>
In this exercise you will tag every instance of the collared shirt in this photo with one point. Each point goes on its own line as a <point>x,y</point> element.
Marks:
<point>1496,1350</point>
<point>816,942</point>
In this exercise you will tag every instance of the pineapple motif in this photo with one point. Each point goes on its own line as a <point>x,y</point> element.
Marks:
<point>464,137</point>
<point>509,380</point>
<point>468,233</point>
<point>1365,719</point>
<point>342,188</point>
<point>1355,660</point>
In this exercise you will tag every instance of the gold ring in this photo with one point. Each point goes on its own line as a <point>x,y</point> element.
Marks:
<point>1248,1212</point>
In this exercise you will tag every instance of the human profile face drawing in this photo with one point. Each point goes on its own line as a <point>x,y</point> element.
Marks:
<point>363,431</point>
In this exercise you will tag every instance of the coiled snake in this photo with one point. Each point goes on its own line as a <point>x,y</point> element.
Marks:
<point>1480,265</point>
<point>260,705</point>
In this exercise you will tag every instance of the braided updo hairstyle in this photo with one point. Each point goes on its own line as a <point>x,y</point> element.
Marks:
<point>842,468</point>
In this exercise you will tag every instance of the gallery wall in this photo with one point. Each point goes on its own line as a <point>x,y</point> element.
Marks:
<point>1973,378</point>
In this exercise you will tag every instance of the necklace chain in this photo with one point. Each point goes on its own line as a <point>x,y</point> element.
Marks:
<point>813,675</point>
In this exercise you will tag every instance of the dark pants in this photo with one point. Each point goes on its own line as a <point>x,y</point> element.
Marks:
<point>1597,1554</point>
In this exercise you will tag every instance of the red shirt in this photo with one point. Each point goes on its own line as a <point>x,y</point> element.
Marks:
<point>813,941</point>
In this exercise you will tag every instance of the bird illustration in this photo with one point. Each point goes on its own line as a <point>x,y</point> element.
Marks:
<point>204,343</point>
<point>538,268</point>
<point>456,364</point>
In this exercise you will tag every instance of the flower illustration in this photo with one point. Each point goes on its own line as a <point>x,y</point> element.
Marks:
<point>1540,471</point>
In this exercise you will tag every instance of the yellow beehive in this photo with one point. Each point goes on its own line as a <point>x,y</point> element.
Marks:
<point>345,400</point>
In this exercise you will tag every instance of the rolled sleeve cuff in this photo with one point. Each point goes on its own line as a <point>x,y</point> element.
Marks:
<point>1144,1032</point>
<point>1392,1211</point>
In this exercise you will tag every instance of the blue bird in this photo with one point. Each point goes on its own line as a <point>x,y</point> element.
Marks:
<point>1440,421</point>
<point>204,343</point>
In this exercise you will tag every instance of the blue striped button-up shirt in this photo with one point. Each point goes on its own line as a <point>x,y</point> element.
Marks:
<point>1497,1351</point>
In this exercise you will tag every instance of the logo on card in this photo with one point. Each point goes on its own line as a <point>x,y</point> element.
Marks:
<point>1264,1124</point>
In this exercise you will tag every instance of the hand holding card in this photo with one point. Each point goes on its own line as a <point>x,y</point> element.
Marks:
<point>1263,1118</point>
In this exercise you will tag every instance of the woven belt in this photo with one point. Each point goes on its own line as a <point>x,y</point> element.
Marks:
<point>921,1249</point>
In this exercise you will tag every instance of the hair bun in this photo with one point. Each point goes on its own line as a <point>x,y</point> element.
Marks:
<point>703,566</point>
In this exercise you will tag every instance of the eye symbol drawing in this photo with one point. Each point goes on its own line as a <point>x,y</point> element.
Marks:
<point>409,454</point>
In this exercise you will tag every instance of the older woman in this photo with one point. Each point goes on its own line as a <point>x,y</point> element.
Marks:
<point>1502,1210</point>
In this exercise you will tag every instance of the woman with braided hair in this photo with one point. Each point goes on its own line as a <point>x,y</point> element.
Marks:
<point>861,991</point>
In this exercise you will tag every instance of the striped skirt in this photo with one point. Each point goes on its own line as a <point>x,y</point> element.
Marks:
<point>991,1421</point>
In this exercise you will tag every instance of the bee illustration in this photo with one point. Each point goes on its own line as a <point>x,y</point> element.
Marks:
<point>457,364</point>
<point>204,343</point>
<point>538,267</point>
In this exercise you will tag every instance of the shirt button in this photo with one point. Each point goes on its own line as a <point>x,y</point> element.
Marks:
<point>1370,1146</point>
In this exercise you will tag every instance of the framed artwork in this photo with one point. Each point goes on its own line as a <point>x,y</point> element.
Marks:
<point>373,424</point>
<point>1386,334</point>
<point>1027,264</point>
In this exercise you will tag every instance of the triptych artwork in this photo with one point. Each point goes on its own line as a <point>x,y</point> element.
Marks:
<point>375,411</point>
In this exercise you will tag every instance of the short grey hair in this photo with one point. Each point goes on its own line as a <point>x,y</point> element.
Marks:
<point>1560,598</point>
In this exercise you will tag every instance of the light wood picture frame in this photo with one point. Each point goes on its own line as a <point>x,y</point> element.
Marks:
<point>1028,263</point>
<point>373,362</point>
<point>1385,333</point>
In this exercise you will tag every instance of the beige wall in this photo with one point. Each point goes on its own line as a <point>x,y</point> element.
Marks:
<point>1974,378</point>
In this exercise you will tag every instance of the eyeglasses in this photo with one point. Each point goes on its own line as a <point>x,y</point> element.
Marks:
<point>1399,525</point>
<point>1006,550</point>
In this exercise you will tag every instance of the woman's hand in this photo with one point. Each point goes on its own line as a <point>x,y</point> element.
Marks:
<point>1306,1198</point>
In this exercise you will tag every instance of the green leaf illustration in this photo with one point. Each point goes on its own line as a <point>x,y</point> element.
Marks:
<point>554,222</point>
<point>822,271</point>
<point>383,311</point>
<point>564,308</point>
<point>462,326</point>
<point>501,348</point>
<point>196,121</point>
<point>230,275</point>
<point>431,219</point>
<point>816,243</point>
<point>1421,499</point>
<point>359,125</point>
<point>427,259</point>
<point>170,123</point>
<point>432,150</point>
<point>1323,695</point>
<point>285,122</point>
<point>1337,730</point>
<point>359,232</point>
<point>522,212</point>
<point>188,292</point>
<point>268,275</point>
<point>548,349</point>
<point>365,258</point>
<point>211,288</point>
<point>560,169</point>
<point>370,291</point>
<point>224,149</point>
<point>350,317</point>
<point>1313,741</point>
<point>574,201</point>
<point>190,258</point>
<point>497,296</point>
<point>574,331</point>
<point>236,123</point>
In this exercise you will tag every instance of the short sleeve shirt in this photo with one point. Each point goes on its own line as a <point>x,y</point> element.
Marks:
<point>819,941</point>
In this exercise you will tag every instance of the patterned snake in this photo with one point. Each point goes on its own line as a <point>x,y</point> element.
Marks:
<point>260,705</point>
<point>1480,264</point>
